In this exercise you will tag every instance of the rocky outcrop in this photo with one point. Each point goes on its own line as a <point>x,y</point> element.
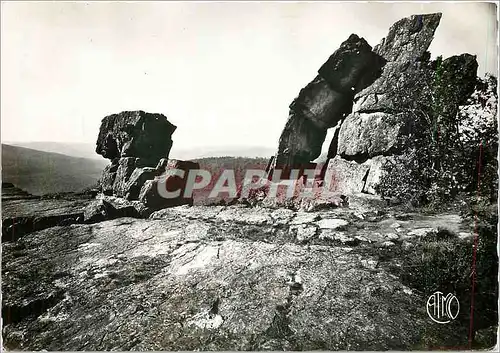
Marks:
<point>138,144</point>
<point>149,194</point>
<point>359,90</point>
<point>379,125</point>
<point>355,74</point>
<point>135,134</point>
<point>23,213</point>
<point>134,142</point>
<point>325,101</point>
<point>374,127</point>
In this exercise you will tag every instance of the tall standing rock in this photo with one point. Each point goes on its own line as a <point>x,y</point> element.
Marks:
<point>325,101</point>
<point>373,131</point>
<point>374,126</point>
<point>361,91</point>
<point>138,145</point>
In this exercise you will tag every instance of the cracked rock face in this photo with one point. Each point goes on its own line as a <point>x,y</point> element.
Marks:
<point>213,277</point>
<point>325,101</point>
<point>210,278</point>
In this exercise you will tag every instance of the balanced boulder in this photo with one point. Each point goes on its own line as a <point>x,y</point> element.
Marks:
<point>138,145</point>
<point>135,134</point>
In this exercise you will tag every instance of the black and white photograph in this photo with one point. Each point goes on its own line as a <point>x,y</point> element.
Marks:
<point>249,175</point>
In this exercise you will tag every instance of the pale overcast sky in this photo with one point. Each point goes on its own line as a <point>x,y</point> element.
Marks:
<point>224,73</point>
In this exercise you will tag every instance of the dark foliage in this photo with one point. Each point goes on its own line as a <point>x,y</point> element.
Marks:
<point>446,264</point>
<point>448,149</point>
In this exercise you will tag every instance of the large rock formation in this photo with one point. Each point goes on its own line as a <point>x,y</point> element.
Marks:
<point>135,134</point>
<point>131,140</point>
<point>379,123</point>
<point>357,90</point>
<point>138,144</point>
<point>374,128</point>
<point>325,101</point>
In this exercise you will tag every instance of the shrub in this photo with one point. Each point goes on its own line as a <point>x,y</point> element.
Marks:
<point>446,265</point>
<point>449,149</point>
<point>401,180</point>
<point>478,133</point>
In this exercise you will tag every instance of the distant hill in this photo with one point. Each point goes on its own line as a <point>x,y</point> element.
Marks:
<point>87,150</point>
<point>222,151</point>
<point>41,172</point>
<point>50,167</point>
<point>77,149</point>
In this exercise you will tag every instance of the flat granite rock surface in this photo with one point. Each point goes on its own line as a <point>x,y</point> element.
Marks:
<point>217,278</point>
